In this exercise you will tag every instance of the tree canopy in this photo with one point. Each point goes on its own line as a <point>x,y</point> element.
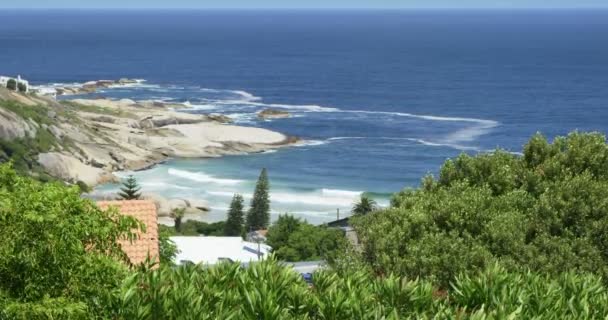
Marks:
<point>258,216</point>
<point>295,240</point>
<point>58,253</point>
<point>546,211</point>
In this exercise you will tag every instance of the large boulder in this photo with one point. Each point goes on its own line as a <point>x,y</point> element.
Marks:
<point>169,118</point>
<point>68,168</point>
<point>13,126</point>
<point>165,206</point>
<point>273,114</point>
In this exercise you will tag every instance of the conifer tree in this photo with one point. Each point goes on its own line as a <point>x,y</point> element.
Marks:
<point>258,216</point>
<point>130,189</point>
<point>234,223</point>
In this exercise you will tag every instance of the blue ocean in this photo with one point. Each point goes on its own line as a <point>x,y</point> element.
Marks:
<point>381,98</point>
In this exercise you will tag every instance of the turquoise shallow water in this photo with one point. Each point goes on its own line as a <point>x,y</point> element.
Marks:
<point>382,97</point>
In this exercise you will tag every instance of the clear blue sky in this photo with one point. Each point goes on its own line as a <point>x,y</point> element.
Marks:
<point>262,4</point>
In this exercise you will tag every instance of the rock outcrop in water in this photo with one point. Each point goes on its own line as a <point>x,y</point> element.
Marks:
<point>273,114</point>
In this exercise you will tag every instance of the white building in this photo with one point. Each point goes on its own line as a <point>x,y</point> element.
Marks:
<point>4,82</point>
<point>212,250</point>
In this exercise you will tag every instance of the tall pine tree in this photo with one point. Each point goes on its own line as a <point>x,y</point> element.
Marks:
<point>258,216</point>
<point>234,223</point>
<point>130,189</point>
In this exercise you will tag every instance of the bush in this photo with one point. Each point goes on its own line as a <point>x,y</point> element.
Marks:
<point>11,84</point>
<point>21,87</point>
<point>546,211</point>
<point>58,253</point>
<point>293,240</point>
<point>268,290</point>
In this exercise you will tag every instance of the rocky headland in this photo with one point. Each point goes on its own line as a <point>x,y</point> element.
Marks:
<point>86,140</point>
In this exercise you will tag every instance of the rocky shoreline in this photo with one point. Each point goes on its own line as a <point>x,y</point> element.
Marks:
<point>102,136</point>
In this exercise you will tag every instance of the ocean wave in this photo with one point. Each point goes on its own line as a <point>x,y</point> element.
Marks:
<point>192,106</point>
<point>241,118</point>
<point>341,193</point>
<point>163,185</point>
<point>310,143</point>
<point>416,140</point>
<point>480,127</point>
<point>331,198</point>
<point>246,95</point>
<point>319,199</point>
<point>202,177</point>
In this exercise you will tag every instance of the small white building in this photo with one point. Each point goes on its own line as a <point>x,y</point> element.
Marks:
<point>212,250</point>
<point>4,82</point>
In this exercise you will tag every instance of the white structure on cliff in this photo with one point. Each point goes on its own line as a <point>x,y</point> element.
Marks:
<point>4,82</point>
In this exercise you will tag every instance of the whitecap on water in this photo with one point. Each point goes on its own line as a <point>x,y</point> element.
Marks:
<point>202,177</point>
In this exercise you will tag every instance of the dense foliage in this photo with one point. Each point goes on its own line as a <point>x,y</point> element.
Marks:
<point>235,222</point>
<point>58,253</point>
<point>268,290</point>
<point>546,210</point>
<point>258,216</point>
<point>295,240</point>
<point>21,87</point>
<point>11,84</point>
<point>195,228</point>
<point>130,189</point>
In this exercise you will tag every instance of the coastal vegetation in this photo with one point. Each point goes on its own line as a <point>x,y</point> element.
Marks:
<point>494,236</point>
<point>11,84</point>
<point>59,256</point>
<point>195,228</point>
<point>235,223</point>
<point>544,211</point>
<point>258,216</point>
<point>295,240</point>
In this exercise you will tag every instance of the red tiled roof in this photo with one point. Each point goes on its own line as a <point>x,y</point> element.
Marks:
<point>146,243</point>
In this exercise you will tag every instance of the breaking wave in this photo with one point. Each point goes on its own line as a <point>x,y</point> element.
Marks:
<point>202,177</point>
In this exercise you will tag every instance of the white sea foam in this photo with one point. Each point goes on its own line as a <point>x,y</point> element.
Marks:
<point>163,185</point>
<point>310,143</point>
<point>299,108</point>
<point>188,104</point>
<point>416,140</point>
<point>202,177</point>
<point>317,198</point>
<point>227,194</point>
<point>341,193</point>
<point>330,198</point>
<point>242,117</point>
<point>246,95</point>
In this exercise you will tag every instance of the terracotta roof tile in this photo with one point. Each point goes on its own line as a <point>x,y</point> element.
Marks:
<point>147,242</point>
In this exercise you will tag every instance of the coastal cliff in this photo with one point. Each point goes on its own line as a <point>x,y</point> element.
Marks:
<point>86,140</point>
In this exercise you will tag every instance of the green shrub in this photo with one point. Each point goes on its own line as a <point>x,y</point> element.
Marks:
<point>295,240</point>
<point>268,290</point>
<point>546,211</point>
<point>21,87</point>
<point>11,84</point>
<point>59,254</point>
